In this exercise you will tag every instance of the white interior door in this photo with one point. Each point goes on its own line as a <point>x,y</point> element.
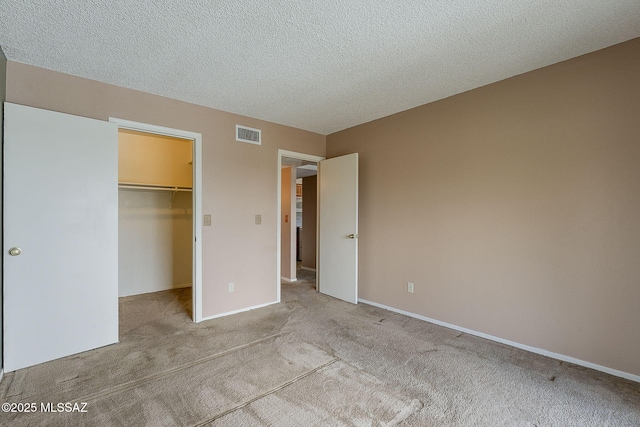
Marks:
<point>61,210</point>
<point>338,227</point>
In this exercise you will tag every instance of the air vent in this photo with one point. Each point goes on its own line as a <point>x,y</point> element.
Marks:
<point>245,134</point>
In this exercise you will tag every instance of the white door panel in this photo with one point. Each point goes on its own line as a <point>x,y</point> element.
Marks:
<point>338,219</point>
<point>61,209</point>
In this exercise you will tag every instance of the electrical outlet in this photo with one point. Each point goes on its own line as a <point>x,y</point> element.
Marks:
<point>231,286</point>
<point>258,219</point>
<point>410,287</point>
<point>207,221</point>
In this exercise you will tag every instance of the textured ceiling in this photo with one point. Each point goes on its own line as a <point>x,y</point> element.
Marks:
<point>316,65</point>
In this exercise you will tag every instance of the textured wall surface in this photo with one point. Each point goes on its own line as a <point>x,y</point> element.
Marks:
<point>513,208</point>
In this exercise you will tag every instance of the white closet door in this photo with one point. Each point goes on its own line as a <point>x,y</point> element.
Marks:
<point>338,227</point>
<point>61,211</point>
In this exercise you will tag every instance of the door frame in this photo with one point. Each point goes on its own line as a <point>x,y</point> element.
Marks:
<point>196,200</point>
<point>299,156</point>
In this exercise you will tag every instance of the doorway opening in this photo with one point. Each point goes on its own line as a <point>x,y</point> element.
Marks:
<point>159,210</point>
<point>297,214</point>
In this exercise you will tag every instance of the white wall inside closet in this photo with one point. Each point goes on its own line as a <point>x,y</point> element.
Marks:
<point>155,224</point>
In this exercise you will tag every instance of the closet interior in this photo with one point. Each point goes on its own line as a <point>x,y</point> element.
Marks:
<point>155,212</point>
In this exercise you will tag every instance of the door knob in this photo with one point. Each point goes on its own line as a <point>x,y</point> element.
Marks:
<point>15,251</point>
<point>352,236</point>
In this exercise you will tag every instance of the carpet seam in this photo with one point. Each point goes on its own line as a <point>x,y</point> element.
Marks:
<point>132,384</point>
<point>266,393</point>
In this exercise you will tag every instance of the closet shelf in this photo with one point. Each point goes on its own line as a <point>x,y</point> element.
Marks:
<point>136,186</point>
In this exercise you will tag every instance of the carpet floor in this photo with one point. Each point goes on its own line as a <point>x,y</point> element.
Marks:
<point>309,361</point>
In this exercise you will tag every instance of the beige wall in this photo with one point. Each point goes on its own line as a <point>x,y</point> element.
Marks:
<point>514,208</point>
<point>288,224</point>
<point>146,158</point>
<point>154,241</point>
<point>239,180</point>
<point>309,212</point>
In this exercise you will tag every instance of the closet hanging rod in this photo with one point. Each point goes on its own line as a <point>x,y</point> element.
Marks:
<point>134,186</point>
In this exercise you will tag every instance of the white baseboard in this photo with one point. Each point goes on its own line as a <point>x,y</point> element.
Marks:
<point>185,285</point>
<point>536,350</point>
<point>1,374</point>
<point>307,268</point>
<point>288,280</point>
<point>229,313</point>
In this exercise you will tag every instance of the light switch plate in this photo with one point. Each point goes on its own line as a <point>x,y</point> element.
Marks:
<point>258,219</point>
<point>207,221</point>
